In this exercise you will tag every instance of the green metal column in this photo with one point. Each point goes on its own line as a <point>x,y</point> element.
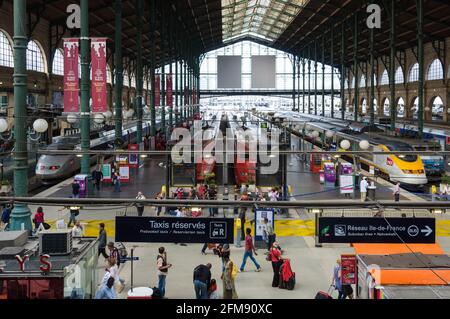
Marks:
<point>294,64</point>
<point>139,72</point>
<point>323,76</point>
<point>118,69</point>
<point>372,78</point>
<point>343,71</point>
<point>152,23</point>
<point>332,70</point>
<point>84,88</point>
<point>392,67</point>
<point>355,68</point>
<point>170,72</point>
<point>21,213</point>
<point>420,53</point>
<point>304,83</point>
<point>163,69</point>
<point>309,80</point>
<point>315,76</point>
<point>176,90</point>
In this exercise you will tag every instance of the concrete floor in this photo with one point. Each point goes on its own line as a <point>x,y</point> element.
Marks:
<point>313,268</point>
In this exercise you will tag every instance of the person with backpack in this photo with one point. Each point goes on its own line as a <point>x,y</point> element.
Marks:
<point>202,280</point>
<point>75,190</point>
<point>97,177</point>
<point>249,251</point>
<point>228,277</point>
<point>116,181</point>
<point>163,269</point>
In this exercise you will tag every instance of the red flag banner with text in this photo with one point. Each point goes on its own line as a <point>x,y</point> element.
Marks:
<point>157,90</point>
<point>98,83</point>
<point>71,76</point>
<point>169,90</point>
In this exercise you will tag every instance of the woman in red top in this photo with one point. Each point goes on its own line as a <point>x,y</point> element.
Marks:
<point>38,217</point>
<point>277,261</point>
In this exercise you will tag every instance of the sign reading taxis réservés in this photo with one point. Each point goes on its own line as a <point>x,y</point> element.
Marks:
<point>174,230</point>
<point>377,230</point>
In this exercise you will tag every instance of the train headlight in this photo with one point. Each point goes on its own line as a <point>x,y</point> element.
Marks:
<point>99,118</point>
<point>72,118</point>
<point>329,134</point>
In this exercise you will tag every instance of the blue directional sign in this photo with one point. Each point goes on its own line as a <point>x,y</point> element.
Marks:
<point>130,258</point>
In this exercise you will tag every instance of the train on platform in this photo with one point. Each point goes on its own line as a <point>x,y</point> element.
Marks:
<point>409,170</point>
<point>51,169</point>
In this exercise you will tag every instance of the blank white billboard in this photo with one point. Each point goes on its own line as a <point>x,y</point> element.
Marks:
<point>229,72</point>
<point>263,72</point>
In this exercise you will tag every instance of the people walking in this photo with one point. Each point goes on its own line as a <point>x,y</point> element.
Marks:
<point>74,211</point>
<point>114,271</point>
<point>277,260</point>
<point>228,277</point>
<point>140,207</point>
<point>363,189</point>
<point>268,234</point>
<point>75,190</point>
<point>163,270</point>
<point>6,216</point>
<point>249,251</point>
<point>397,192</point>
<point>102,241</point>
<point>114,253</point>
<point>202,280</point>
<point>337,280</point>
<point>116,181</point>
<point>107,291</point>
<point>38,217</point>
<point>97,177</point>
<point>159,196</point>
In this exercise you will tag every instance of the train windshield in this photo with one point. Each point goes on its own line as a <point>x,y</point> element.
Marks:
<point>404,148</point>
<point>61,147</point>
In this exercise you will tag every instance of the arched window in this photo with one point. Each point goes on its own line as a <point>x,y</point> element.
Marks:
<point>133,81</point>
<point>387,107</point>
<point>126,79</point>
<point>399,78</point>
<point>58,63</point>
<point>108,74</point>
<point>35,58</point>
<point>6,53</point>
<point>401,107</point>
<point>414,73</point>
<point>385,78</point>
<point>437,109</point>
<point>362,83</point>
<point>435,71</point>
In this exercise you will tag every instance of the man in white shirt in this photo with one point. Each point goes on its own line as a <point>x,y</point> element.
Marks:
<point>363,189</point>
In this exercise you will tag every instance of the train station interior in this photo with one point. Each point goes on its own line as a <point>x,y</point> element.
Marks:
<point>287,149</point>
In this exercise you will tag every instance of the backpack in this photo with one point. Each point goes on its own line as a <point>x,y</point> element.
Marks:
<point>156,293</point>
<point>123,253</point>
<point>234,272</point>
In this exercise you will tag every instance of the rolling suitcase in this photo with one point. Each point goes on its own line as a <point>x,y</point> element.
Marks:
<point>324,295</point>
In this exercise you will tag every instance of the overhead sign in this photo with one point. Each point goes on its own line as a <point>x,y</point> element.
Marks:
<point>71,75</point>
<point>98,83</point>
<point>174,230</point>
<point>377,230</point>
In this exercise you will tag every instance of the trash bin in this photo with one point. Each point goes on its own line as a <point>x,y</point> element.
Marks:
<point>371,193</point>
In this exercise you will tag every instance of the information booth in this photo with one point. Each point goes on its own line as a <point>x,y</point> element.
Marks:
<point>48,276</point>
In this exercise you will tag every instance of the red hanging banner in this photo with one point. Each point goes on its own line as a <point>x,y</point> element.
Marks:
<point>348,269</point>
<point>98,83</point>
<point>194,97</point>
<point>169,90</point>
<point>157,90</point>
<point>71,76</point>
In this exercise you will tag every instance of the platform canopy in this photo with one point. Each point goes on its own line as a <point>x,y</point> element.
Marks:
<point>287,25</point>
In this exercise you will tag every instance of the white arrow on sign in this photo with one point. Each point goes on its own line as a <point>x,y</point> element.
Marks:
<point>427,230</point>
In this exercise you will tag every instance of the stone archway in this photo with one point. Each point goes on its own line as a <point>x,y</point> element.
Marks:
<point>437,109</point>
<point>386,106</point>
<point>401,111</point>
<point>414,107</point>
<point>364,107</point>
